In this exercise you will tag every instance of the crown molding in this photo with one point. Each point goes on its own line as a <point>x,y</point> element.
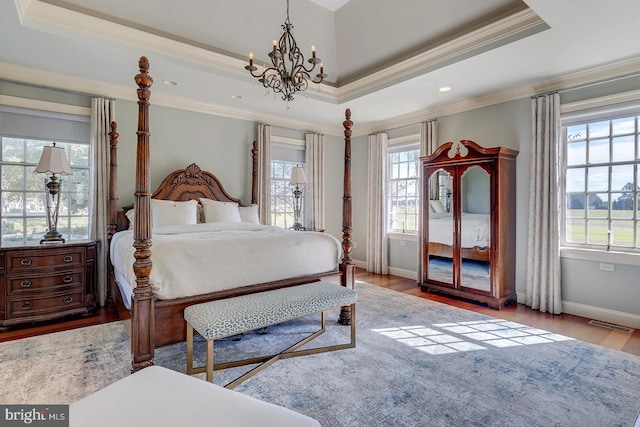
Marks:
<point>600,74</point>
<point>523,22</point>
<point>629,66</point>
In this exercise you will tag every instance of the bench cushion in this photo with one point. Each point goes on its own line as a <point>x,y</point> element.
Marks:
<point>159,397</point>
<point>231,316</point>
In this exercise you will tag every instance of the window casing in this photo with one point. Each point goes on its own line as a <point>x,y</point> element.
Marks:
<point>22,191</point>
<point>403,198</point>
<point>600,181</point>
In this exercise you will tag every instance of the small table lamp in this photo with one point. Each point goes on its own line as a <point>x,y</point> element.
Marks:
<point>297,178</point>
<point>53,161</point>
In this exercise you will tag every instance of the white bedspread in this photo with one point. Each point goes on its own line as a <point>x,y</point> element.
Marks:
<point>201,258</point>
<point>476,230</point>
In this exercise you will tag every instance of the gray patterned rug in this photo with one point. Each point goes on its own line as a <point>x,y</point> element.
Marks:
<point>417,363</point>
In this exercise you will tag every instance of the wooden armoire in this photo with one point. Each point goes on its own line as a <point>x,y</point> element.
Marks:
<point>469,226</point>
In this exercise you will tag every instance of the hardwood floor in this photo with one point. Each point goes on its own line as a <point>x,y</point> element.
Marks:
<point>565,324</point>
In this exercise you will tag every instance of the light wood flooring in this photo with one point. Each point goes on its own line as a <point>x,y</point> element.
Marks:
<point>565,324</point>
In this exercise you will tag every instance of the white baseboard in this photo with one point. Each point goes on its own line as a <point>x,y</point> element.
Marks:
<point>598,313</point>
<point>401,272</point>
<point>603,314</point>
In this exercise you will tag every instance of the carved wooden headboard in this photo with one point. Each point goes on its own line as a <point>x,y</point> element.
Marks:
<point>190,183</point>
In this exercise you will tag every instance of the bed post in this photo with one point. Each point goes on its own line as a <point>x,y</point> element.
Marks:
<point>142,305</point>
<point>254,173</point>
<point>346,265</point>
<point>112,205</point>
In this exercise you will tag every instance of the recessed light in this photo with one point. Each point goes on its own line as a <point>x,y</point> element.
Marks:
<point>236,96</point>
<point>171,83</point>
<point>444,89</point>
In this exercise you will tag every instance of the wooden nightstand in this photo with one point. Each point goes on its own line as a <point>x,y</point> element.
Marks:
<point>44,282</point>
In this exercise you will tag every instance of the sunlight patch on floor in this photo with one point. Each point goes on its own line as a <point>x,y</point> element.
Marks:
<point>453,337</point>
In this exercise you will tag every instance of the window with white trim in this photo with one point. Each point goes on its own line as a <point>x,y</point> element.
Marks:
<point>403,199</point>
<point>282,199</point>
<point>23,134</point>
<point>600,180</point>
<point>286,153</point>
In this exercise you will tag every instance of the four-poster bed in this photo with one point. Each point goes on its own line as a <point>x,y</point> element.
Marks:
<point>159,321</point>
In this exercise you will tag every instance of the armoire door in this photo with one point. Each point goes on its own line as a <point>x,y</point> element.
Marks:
<point>441,226</point>
<point>475,237</point>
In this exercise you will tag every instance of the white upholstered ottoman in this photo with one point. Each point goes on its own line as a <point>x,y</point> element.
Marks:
<point>158,397</point>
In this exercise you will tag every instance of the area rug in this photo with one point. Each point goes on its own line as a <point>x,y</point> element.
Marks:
<point>417,363</point>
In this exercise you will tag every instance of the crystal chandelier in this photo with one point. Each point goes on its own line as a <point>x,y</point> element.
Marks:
<point>288,73</point>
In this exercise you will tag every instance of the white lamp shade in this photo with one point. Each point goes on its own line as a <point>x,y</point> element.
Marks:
<point>53,161</point>
<point>297,176</point>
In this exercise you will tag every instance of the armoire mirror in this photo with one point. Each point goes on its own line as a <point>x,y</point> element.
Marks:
<point>475,225</point>
<point>440,227</point>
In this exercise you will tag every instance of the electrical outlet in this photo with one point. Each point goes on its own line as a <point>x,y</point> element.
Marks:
<point>354,245</point>
<point>607,267</point>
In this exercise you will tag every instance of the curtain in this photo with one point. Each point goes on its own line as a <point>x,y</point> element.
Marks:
<point>377,259</point>
<point>102,114</point>
<point>264,173</point>
<point>428,144</point>
<point>543,252</point>
<point>315,193</point>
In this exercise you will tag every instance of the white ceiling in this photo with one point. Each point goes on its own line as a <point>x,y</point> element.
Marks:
<point>385,60</point>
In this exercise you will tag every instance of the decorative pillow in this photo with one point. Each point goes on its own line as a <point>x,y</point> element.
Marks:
<point>215,211</point>
<point>167,212</point>
<point>249,214</point>
<point>436,206</point>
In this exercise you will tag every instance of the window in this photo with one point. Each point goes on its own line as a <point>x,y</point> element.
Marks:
<point>282,200</point>
<point>403,199</point>
<point>22,191</point>
<point>601,181</point>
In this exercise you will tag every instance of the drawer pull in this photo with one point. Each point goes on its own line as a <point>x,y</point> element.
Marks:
<point>26,262</point>
<point>25,283</point>
<point>26,305</point>
<point>67,279</point>
<point>67,300</point>
<point>67,258</point>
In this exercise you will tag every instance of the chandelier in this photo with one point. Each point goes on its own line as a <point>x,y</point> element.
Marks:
<point>287,73</point>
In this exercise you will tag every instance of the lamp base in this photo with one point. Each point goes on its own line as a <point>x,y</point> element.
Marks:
<point>52,237</point>
<point>298,227</point>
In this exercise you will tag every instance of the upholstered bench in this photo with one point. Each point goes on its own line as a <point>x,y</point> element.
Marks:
<point>232,316</point>
<point>160,397</point>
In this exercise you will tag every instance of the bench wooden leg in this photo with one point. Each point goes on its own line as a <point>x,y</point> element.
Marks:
<point>210,361</point>
<point>189,349</point>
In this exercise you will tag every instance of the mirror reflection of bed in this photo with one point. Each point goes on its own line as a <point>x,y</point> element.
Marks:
<point>475,225</point>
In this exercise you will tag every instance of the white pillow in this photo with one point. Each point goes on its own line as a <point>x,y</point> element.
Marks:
<point>249,214</point>
<point>167,212</point>
<point>131,216</point>
<point>215,211</point>
<point>436,206</point>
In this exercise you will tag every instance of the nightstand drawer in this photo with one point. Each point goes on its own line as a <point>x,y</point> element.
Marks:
<point>18,285</point>
<point>20,261</point>
<point>62,302</point>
